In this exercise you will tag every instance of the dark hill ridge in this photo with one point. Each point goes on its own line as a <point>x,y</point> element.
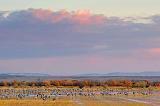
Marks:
<point>23,74</point>
<point>123,74</point>
<point>90,74</point>
<point>152,76</point>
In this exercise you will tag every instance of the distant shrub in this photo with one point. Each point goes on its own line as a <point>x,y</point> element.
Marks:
<point>82,83</point>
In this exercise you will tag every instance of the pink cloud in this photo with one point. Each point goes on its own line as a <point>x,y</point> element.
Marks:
<point>154,50</point>
<point>80,16</point>
<point>85,17</point>
<point>42,14</point>
<point>94,60</point>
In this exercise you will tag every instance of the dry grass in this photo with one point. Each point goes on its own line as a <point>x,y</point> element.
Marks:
<point>87,101</point>
<point>113,104</point>
<point>66,101</point>
<point>63,101</point>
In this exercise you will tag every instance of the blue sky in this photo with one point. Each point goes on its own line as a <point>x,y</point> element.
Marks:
<point>76,37</point>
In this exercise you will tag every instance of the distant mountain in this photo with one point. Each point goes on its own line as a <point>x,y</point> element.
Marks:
<point>90,74</point>
<point>123,74</point>
<point>23,74</point>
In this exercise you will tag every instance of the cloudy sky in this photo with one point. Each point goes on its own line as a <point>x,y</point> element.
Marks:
<point>77,37</point>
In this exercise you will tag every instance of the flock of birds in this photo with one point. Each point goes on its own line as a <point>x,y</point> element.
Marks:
<point>52,93</point>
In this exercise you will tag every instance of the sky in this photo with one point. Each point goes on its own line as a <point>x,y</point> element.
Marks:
<point>107,7</point>
<point>78,37</point>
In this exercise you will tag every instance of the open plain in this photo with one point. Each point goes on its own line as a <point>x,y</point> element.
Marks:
<point>79,97</point>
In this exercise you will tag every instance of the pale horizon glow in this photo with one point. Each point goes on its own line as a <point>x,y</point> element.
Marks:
<point>121,8</point>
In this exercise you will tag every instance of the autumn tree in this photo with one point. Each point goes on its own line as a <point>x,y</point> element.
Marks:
<point>15,83</point>
<point>47,83</point>
<point>127,83</point>
<point>4,83</point>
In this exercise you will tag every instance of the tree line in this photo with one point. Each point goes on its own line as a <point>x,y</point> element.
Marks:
<point>82,83</point>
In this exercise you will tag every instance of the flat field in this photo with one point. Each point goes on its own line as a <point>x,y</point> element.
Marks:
<point>80,100</point>
<point>77,101</point>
